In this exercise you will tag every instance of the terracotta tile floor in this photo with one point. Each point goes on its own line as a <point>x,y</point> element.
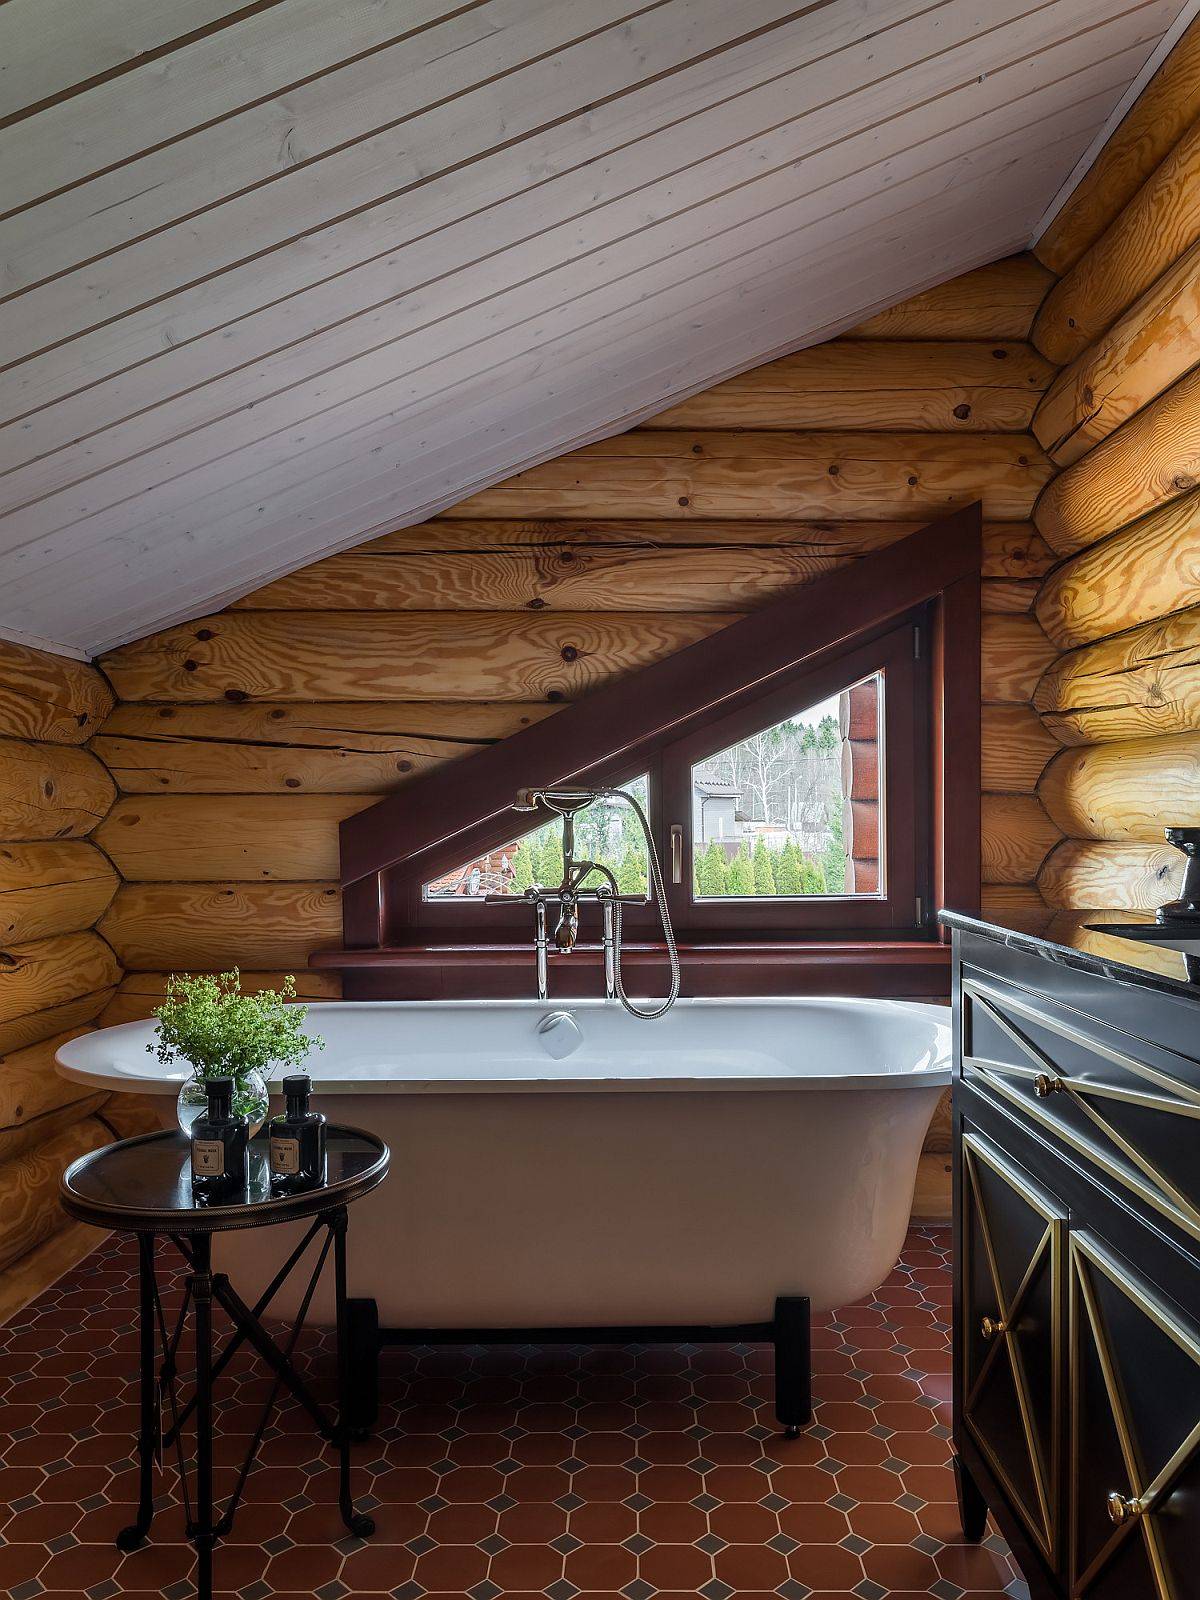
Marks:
<point>582,1471</point>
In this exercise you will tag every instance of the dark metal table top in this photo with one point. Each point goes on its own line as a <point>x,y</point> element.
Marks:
<point>143,1185</point>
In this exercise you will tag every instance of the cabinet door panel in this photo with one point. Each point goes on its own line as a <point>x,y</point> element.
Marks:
<point>1135,1435</point>
<point>1130,1108</point>
<point>1010,1321</point>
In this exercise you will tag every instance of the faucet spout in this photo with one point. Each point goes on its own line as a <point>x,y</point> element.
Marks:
<point>566,931</point>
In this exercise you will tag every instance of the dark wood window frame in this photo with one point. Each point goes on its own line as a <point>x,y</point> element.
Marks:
<point>829,633</point>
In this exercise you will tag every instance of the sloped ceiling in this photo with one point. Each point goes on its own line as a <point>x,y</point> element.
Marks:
<point>279,276</point>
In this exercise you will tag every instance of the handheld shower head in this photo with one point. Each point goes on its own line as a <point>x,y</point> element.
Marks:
<point>564,801</point>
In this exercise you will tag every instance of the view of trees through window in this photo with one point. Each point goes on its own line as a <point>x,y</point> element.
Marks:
<point>607,832</point>
<point>767,813</point>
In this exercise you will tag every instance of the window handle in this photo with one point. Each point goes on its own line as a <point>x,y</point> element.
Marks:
<point>676,853</point>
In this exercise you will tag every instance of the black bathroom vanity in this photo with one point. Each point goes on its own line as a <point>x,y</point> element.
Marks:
<point>1077,1250</point>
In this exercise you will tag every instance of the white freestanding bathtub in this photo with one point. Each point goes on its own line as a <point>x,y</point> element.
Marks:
<point>568,1165</point>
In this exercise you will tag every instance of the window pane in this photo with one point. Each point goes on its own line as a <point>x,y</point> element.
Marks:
<point>793,810</point>
<point>607,831</point>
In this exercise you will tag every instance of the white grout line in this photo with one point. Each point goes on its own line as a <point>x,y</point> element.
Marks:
<point>1157,56</point>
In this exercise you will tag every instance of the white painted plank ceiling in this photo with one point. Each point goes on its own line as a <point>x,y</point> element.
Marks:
<point>275,277</point>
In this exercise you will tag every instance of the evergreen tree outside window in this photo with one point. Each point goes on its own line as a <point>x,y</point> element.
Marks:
<point>769,812</point>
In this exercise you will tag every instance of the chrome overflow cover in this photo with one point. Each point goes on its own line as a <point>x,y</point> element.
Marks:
<point>559,1033</point>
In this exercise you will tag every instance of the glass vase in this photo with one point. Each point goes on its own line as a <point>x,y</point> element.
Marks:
<point>249,1099</point>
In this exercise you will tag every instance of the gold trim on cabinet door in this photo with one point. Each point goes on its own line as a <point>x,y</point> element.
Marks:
<point>1157,1191</point>
<point>1004,1336</point>
<point>1148,1490</point>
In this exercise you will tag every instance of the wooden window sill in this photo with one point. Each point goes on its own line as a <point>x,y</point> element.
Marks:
<point>899,969</point>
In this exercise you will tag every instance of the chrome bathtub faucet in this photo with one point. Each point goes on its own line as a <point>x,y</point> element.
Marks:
<point>567,803</point>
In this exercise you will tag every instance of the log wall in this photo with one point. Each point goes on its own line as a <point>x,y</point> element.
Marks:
<point>56,973</point>
<point>1121,421</point>
<point>239,741</point>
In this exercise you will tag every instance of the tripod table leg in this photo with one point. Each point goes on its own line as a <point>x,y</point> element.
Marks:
<point>204,1532</point>
<point>358,1524</point>
<point>134,1536</point>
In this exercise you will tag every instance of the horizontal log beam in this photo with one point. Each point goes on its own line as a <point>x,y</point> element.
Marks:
<point>140,992</point>
<point>50,791</point>
<point>1146,571</point>
<point>52,887</point>
<point>728,578</point>
<point>998,301</point>
<point>940,385</point>
<point>361,748</point>
<point>1002,900</point>
<point>347,655</point>
<point>53,972</point>
<point>1141,683</point>
<point>242,838</point>
<point>1139,358</point>
<point>35,1101</point>
<point>23,1281</point>
<point>1159,223</point>
<point>1129,790</point>
<point>1082,874</point>
<point>1016,834</point>
<point>1008,596</point>
<point>1164,111</point>
<point>1145,466</point>
<point>209,927</point>
<point>1015,653</point>
<point>49,697</point>
<point>1010,549</point>
<point>1014,748</point>
<point>18,1032</point>
<point>29,1208</point>
<point>844,475</point>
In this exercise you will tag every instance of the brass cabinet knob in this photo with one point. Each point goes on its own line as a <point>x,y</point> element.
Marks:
<point>1044,1085</point>
<point>989,1327</point>
<point>1120,1509</point>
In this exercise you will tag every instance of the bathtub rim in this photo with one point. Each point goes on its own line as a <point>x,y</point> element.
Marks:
<point>76,1061</point>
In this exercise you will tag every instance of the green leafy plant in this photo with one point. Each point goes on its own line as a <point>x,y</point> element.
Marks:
<point>221,1032</point>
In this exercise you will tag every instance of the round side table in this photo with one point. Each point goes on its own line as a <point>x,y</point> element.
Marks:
<point>142,1186</point>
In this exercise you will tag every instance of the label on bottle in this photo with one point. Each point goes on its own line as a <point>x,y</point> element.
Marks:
<point>208,1158</point>
<point>285,1156</point>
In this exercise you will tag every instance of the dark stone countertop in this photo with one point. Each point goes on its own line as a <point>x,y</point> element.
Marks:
<point>1079,939</point>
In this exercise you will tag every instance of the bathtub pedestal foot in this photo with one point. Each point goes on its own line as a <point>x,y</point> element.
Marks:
<point>793,1363</point>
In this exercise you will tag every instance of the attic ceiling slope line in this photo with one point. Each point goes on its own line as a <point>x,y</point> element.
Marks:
<point>684,221</point>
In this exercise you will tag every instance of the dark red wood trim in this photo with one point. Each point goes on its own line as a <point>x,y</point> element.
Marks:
<point>957,756</point>
<point>900,970</point>
<point>663,697</point>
